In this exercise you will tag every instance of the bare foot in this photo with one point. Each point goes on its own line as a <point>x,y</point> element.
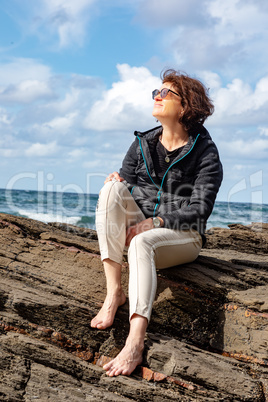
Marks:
<point>127,360</point>
<point>105,316</point>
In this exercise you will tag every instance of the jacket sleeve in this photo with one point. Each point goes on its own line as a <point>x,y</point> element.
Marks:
<point>208,178</point>
<point>129,164</point>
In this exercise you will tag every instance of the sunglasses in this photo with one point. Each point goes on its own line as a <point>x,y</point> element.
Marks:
<point>163,93</point>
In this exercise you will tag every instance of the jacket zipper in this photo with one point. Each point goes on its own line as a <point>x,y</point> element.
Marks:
<point>162,182</point>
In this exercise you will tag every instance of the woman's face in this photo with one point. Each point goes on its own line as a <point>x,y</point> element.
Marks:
<point>167,109</point>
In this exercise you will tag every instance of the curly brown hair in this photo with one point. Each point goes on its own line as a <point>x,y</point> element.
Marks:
<point>194,98</point>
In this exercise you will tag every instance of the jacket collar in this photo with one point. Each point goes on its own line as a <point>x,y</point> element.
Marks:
<point>149,134</point>
<point>157,131</point>
<point>152,135</point>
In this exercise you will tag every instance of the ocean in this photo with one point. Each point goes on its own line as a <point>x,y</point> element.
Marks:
<point>79,209</point>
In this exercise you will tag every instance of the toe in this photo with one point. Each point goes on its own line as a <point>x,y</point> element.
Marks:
<point>118,371</point>
<point>94,324</point>
<point>93,321</point>
<point>107,366</point>
<point>126,372</point>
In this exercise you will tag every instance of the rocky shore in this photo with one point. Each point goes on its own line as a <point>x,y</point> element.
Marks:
<point>207,340</point>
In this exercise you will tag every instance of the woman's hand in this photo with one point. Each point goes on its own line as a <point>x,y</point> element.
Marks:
<point>114,175</point>
<point>140,227</point>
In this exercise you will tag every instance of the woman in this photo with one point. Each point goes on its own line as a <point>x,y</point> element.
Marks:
<point>157,206</point>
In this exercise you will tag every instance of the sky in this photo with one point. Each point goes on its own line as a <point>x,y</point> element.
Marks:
<point>76,79</point>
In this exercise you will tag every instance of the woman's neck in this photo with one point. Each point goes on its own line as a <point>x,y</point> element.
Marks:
<point>174,137</point>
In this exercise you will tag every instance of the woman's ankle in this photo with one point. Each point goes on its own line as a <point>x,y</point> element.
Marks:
<point>116,291</point>
<point>138,327</point>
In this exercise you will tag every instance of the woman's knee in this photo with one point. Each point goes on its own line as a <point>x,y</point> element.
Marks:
<point>113,185</point>
<point>111,192</point>
<point>141,244</point>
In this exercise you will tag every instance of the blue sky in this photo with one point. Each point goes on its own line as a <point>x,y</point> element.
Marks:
<point>76,80</point>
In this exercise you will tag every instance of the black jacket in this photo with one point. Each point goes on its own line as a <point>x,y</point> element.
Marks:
<point>185,197</point>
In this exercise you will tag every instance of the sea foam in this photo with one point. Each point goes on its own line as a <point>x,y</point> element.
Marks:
<point>49,217</point>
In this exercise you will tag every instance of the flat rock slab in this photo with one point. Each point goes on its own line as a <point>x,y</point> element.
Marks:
<point>207,340</point>
<point>209,371</point>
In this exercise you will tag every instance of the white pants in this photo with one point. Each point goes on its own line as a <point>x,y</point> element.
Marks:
<point>155,248</point>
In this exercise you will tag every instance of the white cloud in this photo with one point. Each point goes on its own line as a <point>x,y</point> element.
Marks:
<point>59,124</point>
<point>237,20</point>
<point>236,98</point>
<point>218,35</point>
<point>4,118</point>
<point>211,80</point>
<point>77,153</point>
<point>17,70</point>
<point>106,162</point>
<point>197,50</point>
<point>239,167</point>
<point>10,153</point>
<point>35,113</point>
<point>59,23</point>
<point>93,164</point>
<point>38,149</point>
<point>264,131</point>
<point>250,149</point>
<point>25,92</point>
<point>238,102</point>
<point>24,80</point>
<point>157,13</point>
<point>67,18</point>
<point>128,101</point>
